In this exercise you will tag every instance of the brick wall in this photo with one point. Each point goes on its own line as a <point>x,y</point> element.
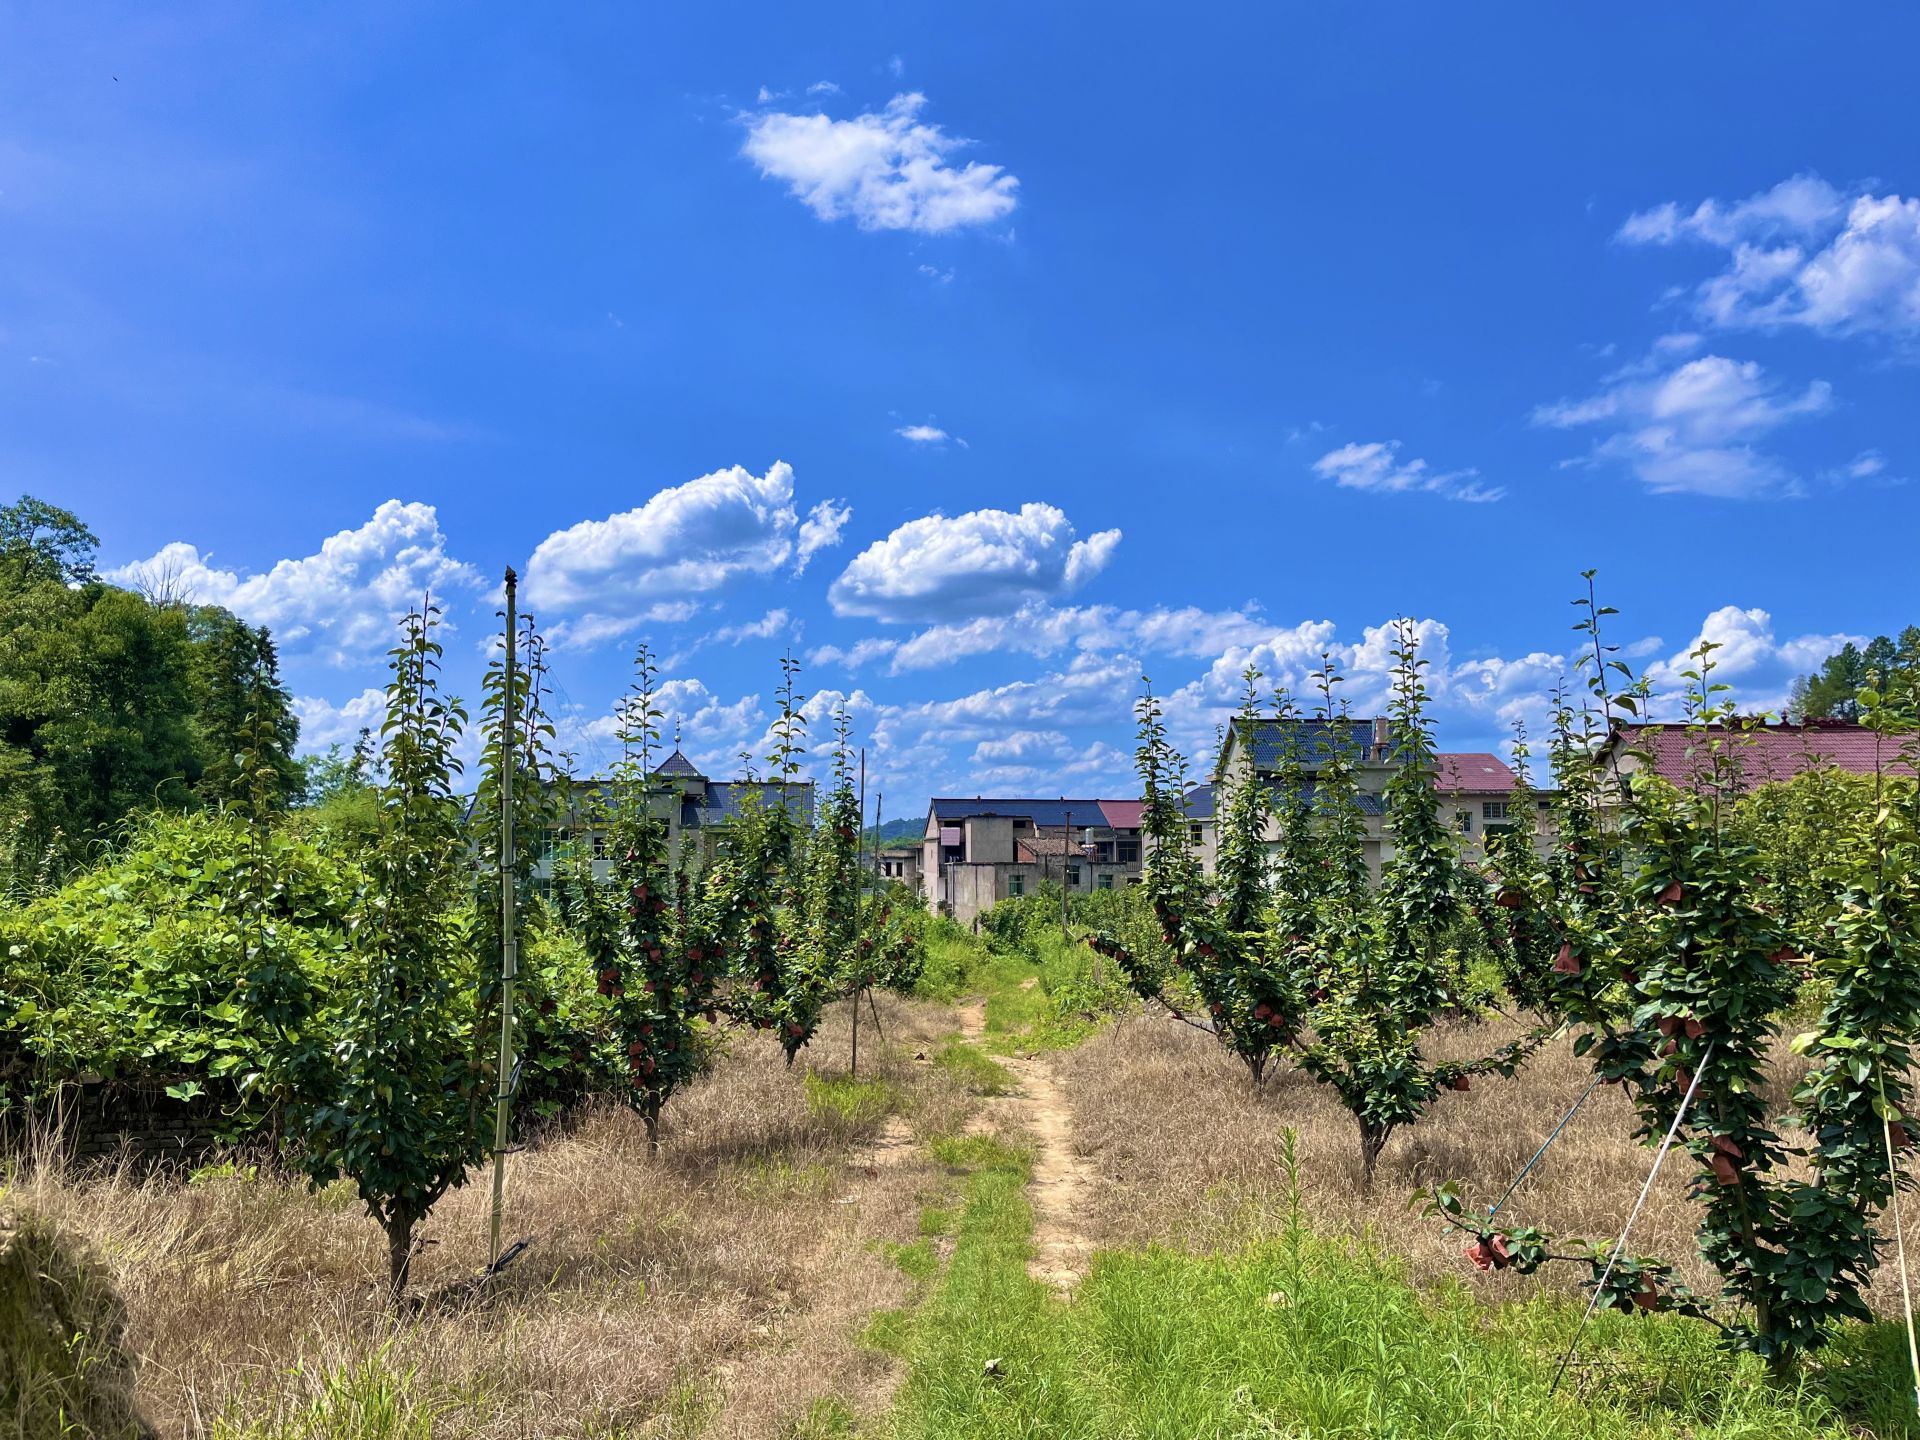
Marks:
<point>102,1120</point>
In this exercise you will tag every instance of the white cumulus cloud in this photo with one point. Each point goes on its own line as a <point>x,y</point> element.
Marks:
<point>340,603</point>
<point>889,170</point>
<point>1801,253</point>
<point>606,576</point>
<point>985,562</point>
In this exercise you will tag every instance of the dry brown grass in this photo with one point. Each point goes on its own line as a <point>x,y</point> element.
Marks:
<point>728,1281</point>
<point>1188,1153</point>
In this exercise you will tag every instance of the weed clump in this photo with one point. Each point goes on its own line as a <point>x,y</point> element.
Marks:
<point>64,1369</point>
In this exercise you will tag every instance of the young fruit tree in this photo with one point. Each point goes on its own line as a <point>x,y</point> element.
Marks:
<point>1381,967</point>
<point>1677,968</point>
<point>398,1118</point>
<point>761,871</point>
<point>656,932</point>
<point>1227,945</point>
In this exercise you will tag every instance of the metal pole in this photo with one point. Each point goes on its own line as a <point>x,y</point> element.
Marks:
<point>509,942</point>
<point>859,912</point>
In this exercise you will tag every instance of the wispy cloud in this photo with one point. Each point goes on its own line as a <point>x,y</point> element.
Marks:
<point>1693,428</point>
<point>1377,466</point>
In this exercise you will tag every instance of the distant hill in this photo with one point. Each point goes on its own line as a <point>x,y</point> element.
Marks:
<point>895,831</point>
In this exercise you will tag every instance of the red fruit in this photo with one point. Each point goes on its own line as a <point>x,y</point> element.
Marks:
<point>1510,900</point>
<point>1695,1029</point>
<point>1276,1022</point>
<point>796,1030</point>
<point>636,1048</point>
<point>639,891</point>
<point>1460,1082</point>
<point>1566,963</point>
<point>1897,1133</point>
<point>1648,1298</point>
<point>1668,1024</point>
<point>1672,895</point>
<point>696,953</point>
<point>1262,1010</point>
<point>1684,1079</point>
<point>1785,956</point>
<point>1490,1253</point>
<point>1218,1008</point>
<point>713,1015</point>
<point>1669,1048</point>
<point>1724,1171</point>
<point>1726,1146</point>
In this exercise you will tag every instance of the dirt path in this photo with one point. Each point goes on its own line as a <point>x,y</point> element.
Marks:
<point>1059,1189</point>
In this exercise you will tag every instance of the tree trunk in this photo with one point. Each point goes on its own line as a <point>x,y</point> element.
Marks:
<point>651,1114</point>
<point>1258,1065</point>
<point>399,1227</point>
<point>1373,1139</point>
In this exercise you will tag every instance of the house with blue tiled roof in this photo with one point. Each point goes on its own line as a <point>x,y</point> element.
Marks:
<point>696,811</point>
<point>978,851</point>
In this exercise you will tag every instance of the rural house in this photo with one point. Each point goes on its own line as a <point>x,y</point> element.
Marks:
<point>1476,789</point>
<point>1766,753</point>
<point>979,851</point>
<point>696,811</point>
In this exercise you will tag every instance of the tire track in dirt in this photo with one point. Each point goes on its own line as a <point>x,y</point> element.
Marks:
<point>1059,1189</point>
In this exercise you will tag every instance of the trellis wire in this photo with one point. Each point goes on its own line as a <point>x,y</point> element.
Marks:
<point>1552,1135</point>
<point>1600,1286</point>
<point>1899,1233</point>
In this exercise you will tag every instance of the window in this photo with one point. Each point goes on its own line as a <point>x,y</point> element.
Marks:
<point>1016,886</point>
<point>1073,875</point>
<point>1103,882</point>
<point>1193,833</point>
<point>1493,810</point>
<point>1128,852</point>
<point>1465,820</point>
<point>599,847</point>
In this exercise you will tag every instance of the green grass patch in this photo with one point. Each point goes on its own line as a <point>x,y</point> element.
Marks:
<point>1043,996</point>
<point>850,1103</point>
<point>934,1220</point>
<point>953,959</point>
<point>1302,1336</point>
<point>369,1400</point>
<point>977,1152</point>
<point>824,1418</point>
<point>979,1072</point>
<point>916,1261</point>
<point>775,1180</point>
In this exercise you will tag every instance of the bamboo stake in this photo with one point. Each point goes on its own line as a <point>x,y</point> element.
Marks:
<point>509,942</point>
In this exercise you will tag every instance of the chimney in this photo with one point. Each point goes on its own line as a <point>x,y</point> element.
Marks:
<point>1382,737</point>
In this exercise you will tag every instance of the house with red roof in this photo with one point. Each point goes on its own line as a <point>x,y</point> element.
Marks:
<point>1475,788</point>
<point>1764,753</point>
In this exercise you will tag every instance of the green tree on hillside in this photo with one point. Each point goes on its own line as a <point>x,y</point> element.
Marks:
<point>1833,691</point>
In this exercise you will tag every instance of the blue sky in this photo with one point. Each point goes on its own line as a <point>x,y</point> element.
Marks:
<point>986,357</point>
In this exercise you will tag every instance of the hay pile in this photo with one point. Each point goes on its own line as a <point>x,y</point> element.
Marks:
<point>63,1368</point>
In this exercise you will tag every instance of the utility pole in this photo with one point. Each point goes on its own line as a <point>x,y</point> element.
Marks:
<point>509,941</point>
<point>1066,844</point>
